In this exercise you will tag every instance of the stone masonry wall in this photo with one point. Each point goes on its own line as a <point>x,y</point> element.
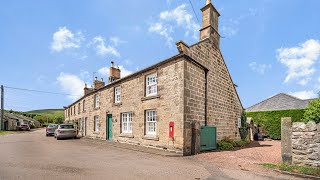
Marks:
<point>168,103</point>
<point>224,105</point>
<point>194,101</point>
<point>306,143</point>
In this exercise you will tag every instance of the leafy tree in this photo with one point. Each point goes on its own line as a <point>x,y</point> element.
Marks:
<point>58,120</point>
<point>312,112</point>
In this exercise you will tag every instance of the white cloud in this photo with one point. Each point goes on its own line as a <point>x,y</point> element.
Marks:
<point>71,84</point>
<point>304,94</point>
<point>171,19</point>
<point>102,49</point>
<point>104,71</point>
<point>116,41</point>
<point>259,68</point>
<point>124,72</point>
<point>300,61</point>
<point>66,39</point>
<point>160,29</point>
<point>229,30</point>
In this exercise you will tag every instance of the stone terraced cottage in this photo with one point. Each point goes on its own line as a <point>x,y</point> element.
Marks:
<point>157,106</point>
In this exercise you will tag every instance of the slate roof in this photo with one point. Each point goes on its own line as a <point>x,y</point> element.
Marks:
<point>280,101</point>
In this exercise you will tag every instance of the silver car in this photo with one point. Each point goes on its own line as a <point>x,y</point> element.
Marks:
<point>65,131</point>
<point>51,129</point>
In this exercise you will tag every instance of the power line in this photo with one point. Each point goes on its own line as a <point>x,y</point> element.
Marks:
<point>38,91</point>
<point>194,12</point>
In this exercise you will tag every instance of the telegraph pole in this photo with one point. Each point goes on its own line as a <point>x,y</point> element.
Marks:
<point>2,108</point>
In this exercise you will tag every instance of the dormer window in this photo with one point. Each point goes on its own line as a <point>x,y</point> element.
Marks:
<point>151,85</point>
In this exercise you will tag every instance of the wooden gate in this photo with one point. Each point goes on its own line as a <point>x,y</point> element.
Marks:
<point>208,138</point>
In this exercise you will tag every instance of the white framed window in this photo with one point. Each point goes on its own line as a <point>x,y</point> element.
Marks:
<point>96,123</point>
<point>151,122</point>
<point>79,108</point>
<point>126,123</point>
<point>96,101</point>
<point>151,85</point>
<point>117,94</point>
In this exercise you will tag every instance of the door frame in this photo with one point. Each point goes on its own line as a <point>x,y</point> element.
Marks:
<point>108,123</point>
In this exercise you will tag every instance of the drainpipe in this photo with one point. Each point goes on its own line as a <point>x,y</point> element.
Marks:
<point>206,98</point>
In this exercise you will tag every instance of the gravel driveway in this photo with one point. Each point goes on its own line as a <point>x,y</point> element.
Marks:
<point>247,159</point>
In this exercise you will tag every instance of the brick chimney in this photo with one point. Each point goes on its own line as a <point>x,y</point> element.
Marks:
<point>114,73</point>
<point>210,23</point>
<point>98,84</point>
<point>87,90</point>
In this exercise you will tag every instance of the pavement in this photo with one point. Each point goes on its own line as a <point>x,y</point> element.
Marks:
<point>32,155</point>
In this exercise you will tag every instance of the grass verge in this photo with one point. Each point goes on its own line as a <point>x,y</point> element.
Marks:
<point>6,132</point>
<point>308,170</point>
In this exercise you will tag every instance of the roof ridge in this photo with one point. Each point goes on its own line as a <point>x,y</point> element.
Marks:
<point>273,97</point>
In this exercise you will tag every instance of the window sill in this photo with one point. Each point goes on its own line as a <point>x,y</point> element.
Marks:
<point>117,104</point>
<point>126,135</point>
<point>96,132</point>
<point>96,108</point>
<point>150,97</point>
<point>151,137</point>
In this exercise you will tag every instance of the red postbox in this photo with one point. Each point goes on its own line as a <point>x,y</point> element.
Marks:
<point>171,129</point>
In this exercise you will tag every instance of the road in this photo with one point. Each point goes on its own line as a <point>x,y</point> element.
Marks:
<point>32,155</point>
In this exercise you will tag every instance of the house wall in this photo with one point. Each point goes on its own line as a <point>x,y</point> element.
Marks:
<point>168,104</point>
<point>224,106</point>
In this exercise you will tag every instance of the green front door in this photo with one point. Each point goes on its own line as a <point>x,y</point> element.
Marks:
<point>109,127</point>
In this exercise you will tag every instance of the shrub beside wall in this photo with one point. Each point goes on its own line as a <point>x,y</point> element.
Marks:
<point>270,121</point>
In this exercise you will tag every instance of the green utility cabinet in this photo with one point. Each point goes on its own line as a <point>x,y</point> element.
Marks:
<point>208,138</point>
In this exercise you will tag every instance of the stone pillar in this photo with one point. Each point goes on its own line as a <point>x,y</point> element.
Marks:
<point>286,144</point>
<point>195,140</point>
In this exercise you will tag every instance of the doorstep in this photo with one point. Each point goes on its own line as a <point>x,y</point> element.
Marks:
<point>139,148</point>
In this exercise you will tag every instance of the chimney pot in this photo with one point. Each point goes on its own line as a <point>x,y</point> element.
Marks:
<point>102,79</point>
<point>96,78</point>
<point>112,64</point>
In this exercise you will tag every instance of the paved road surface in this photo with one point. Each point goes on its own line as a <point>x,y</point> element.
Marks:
<point>31,155</point>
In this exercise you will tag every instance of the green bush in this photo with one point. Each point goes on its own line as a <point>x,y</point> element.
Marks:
<point>224,145</point>
<point>312,112</point>
<point>229,144</point>
<point>270,121</point>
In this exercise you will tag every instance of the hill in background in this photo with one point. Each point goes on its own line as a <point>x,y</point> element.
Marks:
<point>47,115</point>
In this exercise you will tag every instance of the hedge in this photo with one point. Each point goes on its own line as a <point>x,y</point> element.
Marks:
<point>270,121</point>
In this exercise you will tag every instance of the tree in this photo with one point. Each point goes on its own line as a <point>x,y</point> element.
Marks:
<point>58,120</point>
<point>312,112</point>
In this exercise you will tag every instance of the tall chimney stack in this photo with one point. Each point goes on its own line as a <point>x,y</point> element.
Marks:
<point>114,73</point>
<point>210,23</point>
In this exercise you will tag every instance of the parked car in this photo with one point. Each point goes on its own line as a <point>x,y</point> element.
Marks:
<point>65,131</point>
<point>51,129</point>
<point>23,127</point>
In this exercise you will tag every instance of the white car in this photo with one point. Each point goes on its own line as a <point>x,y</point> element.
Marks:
<point>65,131</point>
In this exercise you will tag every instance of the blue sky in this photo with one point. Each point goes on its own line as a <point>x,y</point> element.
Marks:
<point>269,46</point>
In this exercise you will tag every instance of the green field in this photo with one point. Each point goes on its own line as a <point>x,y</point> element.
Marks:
<point>48,115</point>
<point>46,112</point>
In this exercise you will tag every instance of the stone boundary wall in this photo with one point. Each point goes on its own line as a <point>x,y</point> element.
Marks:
<point>305,141</point>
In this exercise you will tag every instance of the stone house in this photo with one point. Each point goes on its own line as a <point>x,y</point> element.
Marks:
<point>12,121</point>
<point>161,105</point>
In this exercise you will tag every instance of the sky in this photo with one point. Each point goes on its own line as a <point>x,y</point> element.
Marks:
<point>269,46</point>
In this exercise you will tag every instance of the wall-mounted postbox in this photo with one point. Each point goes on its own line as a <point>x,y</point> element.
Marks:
<point>171,129</point>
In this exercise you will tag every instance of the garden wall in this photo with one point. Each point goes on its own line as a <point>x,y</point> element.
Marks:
<point>306,143</point>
